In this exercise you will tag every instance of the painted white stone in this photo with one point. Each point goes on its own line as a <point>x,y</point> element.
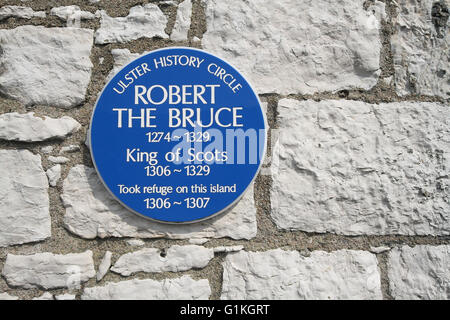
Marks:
<point>388,80</point>
<point>65,296</point>
<point>45,296</point>
<point>69,149</point>
<point>19,12</point>
<point>353,168</point>
<point>182,22</point>
<point>379,249</point>
<point>228,249</point>
<point>87,141</point>
<point>198,241</point>
<point>104,266</point>
<point>92,212</point>
<point>47,149</point>
<point>135,242</point>
<point>146,21</point>
<point>421,272</point>
<point>46,66</point>
<point>420,48</point>
<point>71,13</point>
<point>176,259</point>
<point>306,47</point>
<point>54,174</point>
<point>29,128</point>
<point>58,160</point>
<point>24,203</point>
<point>279,274</point>
<point>6,296</point>
<point>168,3</point>
<point>121,58</point>
<point>184,288</point>
<point>379,11</point>
<point>48,271</point>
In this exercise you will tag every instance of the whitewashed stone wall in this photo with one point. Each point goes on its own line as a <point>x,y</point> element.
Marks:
<point>353,202</point>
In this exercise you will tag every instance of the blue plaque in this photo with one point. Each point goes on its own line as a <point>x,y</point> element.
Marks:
<point>178,135</point>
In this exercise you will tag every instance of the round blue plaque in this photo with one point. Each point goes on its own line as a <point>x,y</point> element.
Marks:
<point>178,135</point>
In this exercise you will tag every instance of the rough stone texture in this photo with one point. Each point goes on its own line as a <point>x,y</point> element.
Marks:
<point>48,271</point>
<point>228,249</point>
<point>135,242</point>
<point>279,274</point>
<point>420,48</point>
<point>184,288</point>
<point>198,241</point>
<point>59,61</point>
<point>59,160</point>
<point>54,174</point>
<point>121,58</point>
<point>421,272</point>
<point>71,13</point>
<point>146,21</point>
<point>169,3</point>
<point>24,203</point>
<point>375,174</point>
<point>306,47</point>
<point>66,296</point>
<point>29,128</point>
<point>19,12</point>
<point>176,259</point>
<point>104,265</point>
<point>379,249</point>
<point>69,149</point>
<point>92,212</point>
<point>6,296</point>
<point>47,149</point>
<point>183,21</point>
<point>45,296</point>
<point>352,168</point>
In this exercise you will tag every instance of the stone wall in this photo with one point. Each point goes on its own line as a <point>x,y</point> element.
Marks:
<point>353,201</point>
